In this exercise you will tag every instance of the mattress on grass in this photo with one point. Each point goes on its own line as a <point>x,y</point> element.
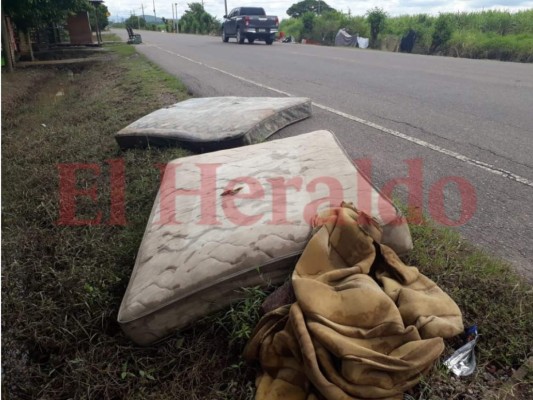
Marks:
<point>215,123</point>
<point>239,218</point>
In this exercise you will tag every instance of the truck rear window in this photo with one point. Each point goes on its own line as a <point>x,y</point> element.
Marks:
<point>252,11</point>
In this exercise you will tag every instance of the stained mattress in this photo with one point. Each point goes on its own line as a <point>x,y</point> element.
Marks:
<point>215,123</point>
<point>239,218</point>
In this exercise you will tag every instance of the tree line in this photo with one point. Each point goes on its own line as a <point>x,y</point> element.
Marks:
<point>485,34</point>
<point>194,20</point>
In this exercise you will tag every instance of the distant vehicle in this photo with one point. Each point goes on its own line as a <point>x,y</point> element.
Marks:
<point>249,23</point>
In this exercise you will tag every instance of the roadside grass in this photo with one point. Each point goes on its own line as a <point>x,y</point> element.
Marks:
<point>492,296</point>
<point>62,285</point>
<point>491,45</point>
<point>110,37</point>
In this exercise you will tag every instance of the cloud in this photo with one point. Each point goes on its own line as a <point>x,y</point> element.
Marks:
<point>500,3</point>
<point>424,3</point>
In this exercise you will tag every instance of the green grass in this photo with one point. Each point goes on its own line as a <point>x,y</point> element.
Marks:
<point>110,37</point>
<point>241,318</point>
<point>492,296</point>
<point>486,289</point>
<point>62,286</point>
<point>492,46</point>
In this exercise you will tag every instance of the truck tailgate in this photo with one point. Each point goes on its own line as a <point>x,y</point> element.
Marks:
<point>267,22</point>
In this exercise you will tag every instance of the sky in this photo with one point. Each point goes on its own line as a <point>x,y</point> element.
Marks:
<point>125,8</point>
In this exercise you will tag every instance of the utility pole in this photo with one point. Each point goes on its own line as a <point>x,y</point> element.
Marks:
<point>226,6</point>
<point>155,16</point>
<point>318,7</point>
<point>142,6</point>
<point>172,5</point>
<point>176,21</point>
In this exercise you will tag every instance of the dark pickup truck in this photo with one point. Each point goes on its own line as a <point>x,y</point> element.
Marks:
<point>250,23</point>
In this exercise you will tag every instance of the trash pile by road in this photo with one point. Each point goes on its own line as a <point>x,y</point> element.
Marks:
<point>343,38</point>
<point>359,323</point>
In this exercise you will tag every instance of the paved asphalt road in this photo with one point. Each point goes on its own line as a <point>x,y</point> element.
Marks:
<point>471,119</point>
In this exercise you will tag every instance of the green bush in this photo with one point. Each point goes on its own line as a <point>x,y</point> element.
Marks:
<point>442,32</point>
<point>493,46</point>
<point>376,18</point>
<point>308,21</point>
<point>422,24</point>
<point>354,25</point>
<point>486,34</point>
<point>326,27</point>
<point>197,20</point>
<point>292,27</point>
<point>523,22</point>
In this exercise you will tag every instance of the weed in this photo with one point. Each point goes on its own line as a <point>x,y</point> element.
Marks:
<point>241,318</point>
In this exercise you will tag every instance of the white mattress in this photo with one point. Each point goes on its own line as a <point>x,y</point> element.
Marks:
<point>189,269</point>
<point>215,123</point>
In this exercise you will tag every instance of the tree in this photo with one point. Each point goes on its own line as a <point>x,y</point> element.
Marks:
<point>376,18</point>
<point>292,27</point>
<point>326,27</point>
<point>197,20</point>
<point>103,13</point>
<point>169,24</point>
<point>135,22</point>
<point>308,21</point>
<point>308,6</point>
<point>38,13</point>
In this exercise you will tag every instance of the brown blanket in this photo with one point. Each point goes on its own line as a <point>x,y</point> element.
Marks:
<point>364,325</point>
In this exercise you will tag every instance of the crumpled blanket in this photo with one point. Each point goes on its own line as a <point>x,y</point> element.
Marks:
<point>364,325</point>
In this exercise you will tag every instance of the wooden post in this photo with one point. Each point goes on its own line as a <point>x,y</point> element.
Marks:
<point>28,36</point>
<point>25,44</point>
<point>97,27</point>
<point>6,44</point>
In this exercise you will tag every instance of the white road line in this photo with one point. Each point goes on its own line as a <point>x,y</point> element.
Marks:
<point>480,164</point>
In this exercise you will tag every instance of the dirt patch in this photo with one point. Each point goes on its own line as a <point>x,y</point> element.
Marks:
<point>19,86</point>
<point>67,53</point>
